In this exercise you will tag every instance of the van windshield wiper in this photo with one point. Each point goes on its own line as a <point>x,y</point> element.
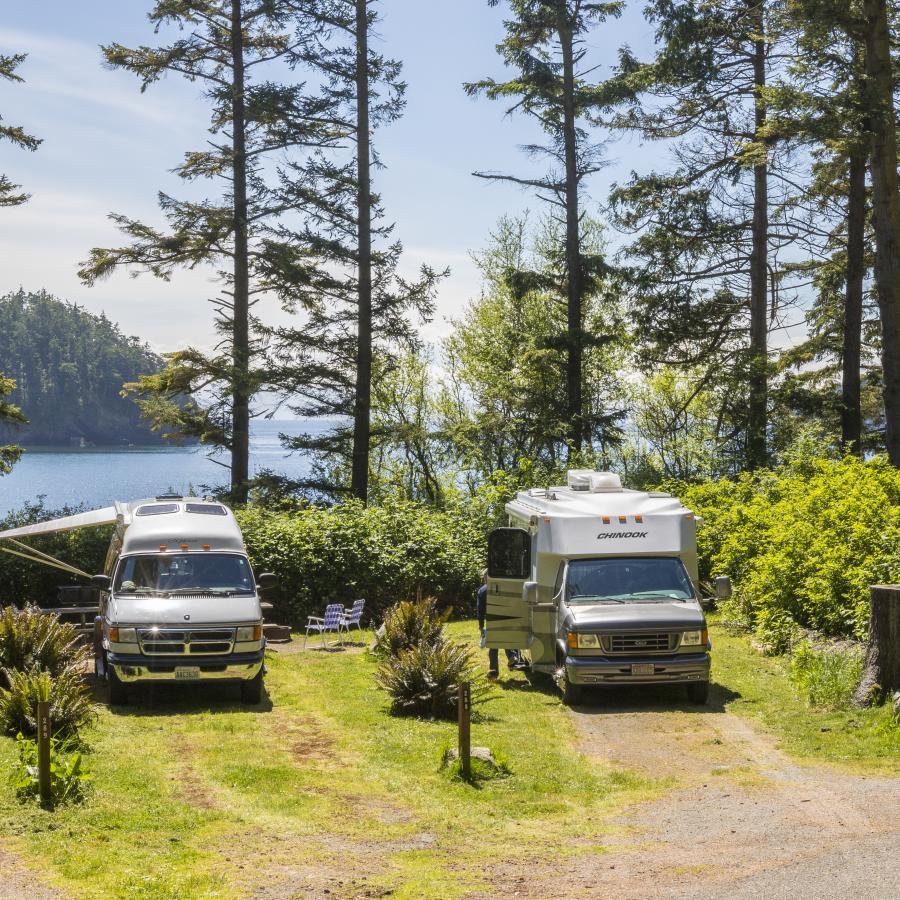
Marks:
<point>599,597</point>
<point>214,591</point>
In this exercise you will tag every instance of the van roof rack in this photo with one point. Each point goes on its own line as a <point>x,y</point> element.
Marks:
<point>169,497</point>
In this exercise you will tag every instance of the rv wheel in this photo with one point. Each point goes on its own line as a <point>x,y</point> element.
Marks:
<point>571,693</point>
<point>251,691</point>
<point>698,692</point>
<point>118,692</point>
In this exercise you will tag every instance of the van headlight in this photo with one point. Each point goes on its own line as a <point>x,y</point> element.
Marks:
<point>578,641</point>
<point>249,633</point>
<point>694,638</point>
<point>122,635</point>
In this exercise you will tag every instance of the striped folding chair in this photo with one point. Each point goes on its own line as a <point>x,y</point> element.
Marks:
<point>332,621</point>
<point>352,618</point>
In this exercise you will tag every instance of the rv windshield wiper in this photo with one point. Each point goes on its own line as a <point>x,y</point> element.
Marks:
<point>597,597</point>
<point>214,591</point>
<point>671,595</point>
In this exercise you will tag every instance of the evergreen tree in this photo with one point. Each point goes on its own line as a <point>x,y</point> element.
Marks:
<point>233,48</point>
<point>10,414</point>
<point>357,311</point>
<point>14,133</point>
<point>545,44</point>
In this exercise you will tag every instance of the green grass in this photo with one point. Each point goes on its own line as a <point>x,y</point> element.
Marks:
<point>199,797</point>
<point>761,688</point>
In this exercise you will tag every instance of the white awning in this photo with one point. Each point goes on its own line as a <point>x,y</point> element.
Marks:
<point>96,517</point>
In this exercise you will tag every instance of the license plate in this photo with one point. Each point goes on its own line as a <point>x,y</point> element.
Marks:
<point>189,673</point>
<point>642,668</point>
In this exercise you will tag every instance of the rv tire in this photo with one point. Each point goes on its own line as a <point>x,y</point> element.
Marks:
<point>571,693</point>
<point>251,691</point>
<point>698,692</point>
<point>118,691</point>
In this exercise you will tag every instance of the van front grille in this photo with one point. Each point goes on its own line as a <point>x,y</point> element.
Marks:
<point>637,643</point>
<point>186,641</point>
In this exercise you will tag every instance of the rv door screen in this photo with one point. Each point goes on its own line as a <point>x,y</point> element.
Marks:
<point>509,553</point>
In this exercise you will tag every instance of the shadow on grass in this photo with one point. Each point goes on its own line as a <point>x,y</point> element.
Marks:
<point>652,698</point>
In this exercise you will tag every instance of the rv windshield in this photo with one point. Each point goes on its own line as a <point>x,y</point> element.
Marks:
<point>212,573</point>
<point>653,580</point>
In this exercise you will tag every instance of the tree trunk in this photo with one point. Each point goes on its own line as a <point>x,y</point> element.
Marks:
<point>574,411</point>
<point>759,269</point>
<point>363,396</point>
<point>240,387</point>
<point>885,210</point>
<point>881,673</point>
<point>851,402</point>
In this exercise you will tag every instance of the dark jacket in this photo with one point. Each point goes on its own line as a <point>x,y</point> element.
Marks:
<point>481,605</point>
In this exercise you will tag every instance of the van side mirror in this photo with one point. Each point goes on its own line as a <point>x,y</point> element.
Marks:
<point>530,592</point>
<point>266,581</point>
<point>509,553</point>
<point>723,588</point>
<point>100,582</point>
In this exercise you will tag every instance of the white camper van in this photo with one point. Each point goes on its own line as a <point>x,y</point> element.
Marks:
<point>599,585</point>
<point>178,599</point>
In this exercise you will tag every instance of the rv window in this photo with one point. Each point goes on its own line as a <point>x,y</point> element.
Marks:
<point>157,509</point>
<point>509,553</point>
<point>206,509</point>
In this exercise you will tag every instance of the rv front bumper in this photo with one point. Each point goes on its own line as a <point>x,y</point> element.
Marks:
<point>633,669</point>
<point>233,667</point>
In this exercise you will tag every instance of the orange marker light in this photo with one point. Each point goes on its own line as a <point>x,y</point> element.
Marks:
<point>623,519</point>
<point>546,520</point>
<point>206,546</point>
<point>606,520</point>
<point>184,546</point>
<point>162,548</point>
<point>639,519</point>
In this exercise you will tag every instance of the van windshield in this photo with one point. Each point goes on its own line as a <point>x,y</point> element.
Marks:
<point>185,573</point>
<point>652,580</point>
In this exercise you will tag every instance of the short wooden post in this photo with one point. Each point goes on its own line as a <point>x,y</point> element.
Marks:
<point>881,673</point>
<point>43,742</point>
<point>465,729</point>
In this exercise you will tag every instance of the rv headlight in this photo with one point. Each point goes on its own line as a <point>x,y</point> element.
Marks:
<point>249,633</point>
<point>123,635</point>
<point>694,638</point>
<point>588,641</point>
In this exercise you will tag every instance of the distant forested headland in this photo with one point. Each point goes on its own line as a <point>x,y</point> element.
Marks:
<point>69,367</point>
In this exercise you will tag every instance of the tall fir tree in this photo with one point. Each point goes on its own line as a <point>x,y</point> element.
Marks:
<point>546,45</point>
<point>234,49</point>
<point>358,312</point>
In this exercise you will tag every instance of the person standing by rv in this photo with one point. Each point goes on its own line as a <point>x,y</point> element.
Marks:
<point>512,656</point>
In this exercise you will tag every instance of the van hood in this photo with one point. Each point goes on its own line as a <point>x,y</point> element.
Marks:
<point>196,609</point>
<point>635,616</point>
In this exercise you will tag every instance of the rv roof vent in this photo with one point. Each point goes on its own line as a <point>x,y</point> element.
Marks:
<point>169,497</point>
<point>595,482</point>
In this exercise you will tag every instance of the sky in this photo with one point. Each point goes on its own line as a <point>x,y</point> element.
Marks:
<point>109,148</point>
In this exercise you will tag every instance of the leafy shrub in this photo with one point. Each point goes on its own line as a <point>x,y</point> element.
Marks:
<point>826,677</point>
<point>424,680</point>
<point>31,640</point>
<point>383,553</point>
<point>411,623</point>
<point>71,706</point>
<point>67,774</point>
<point>802,543</point>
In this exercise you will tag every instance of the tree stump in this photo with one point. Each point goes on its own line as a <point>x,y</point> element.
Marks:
<point>881,672</point>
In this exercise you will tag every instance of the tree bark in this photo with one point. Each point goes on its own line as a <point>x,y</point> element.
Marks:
<point>885,210</point>
<point>759,268</point>
<point>851,401</point>
<point>240,387</point>
<point>363,395</point>
<point>881,673</point>
<point>574,365</point>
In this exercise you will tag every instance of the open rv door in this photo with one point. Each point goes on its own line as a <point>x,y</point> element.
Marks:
<point>508,622</point>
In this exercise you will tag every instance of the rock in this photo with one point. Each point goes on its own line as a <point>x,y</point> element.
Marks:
<point>482,753</point>
<point>277,634</point>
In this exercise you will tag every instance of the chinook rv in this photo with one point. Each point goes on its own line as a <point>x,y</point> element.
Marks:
<point>599,585</point>
<point>178,600</point>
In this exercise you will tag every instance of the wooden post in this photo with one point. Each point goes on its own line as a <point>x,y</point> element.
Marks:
<point>43,741</point>
<point>465,731</point>
<point>881,673</point>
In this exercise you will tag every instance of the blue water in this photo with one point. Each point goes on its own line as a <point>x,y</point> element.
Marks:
<point>95,477</point>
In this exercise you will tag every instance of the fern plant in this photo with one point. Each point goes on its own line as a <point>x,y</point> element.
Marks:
<point>410,624</point>
<point>31,640</point>
<point>71,706</point>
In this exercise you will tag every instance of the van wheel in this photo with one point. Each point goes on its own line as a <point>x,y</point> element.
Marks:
<point>698,692</point>
<point>251,691</point>
<point>118,691</point>
<point>571,693</point>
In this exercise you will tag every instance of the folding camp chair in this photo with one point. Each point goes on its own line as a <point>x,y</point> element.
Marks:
<point>353,616</point>
<point>333,620</point>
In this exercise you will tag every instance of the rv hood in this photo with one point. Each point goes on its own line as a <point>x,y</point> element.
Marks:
<point>196,609</point>
<point>672,616</point>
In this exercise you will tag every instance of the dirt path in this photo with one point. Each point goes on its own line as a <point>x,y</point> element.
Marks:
<point>744,821</point>
<point>17,882</point>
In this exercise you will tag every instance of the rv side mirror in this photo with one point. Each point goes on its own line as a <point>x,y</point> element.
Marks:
<point>266,581</point>
<point>530,592</point>
<point>100,582</point>
<point>723,588</point>
<point>509,553</point>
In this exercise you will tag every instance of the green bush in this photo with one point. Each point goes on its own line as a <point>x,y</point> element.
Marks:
<point>410,623</point>
<point>802,543</point>
<point>67,774</point>
<point>71,706</point>
<point>826,677</point>
<point>424,681</point>
<point>31,640</point>
<point>384,553</point>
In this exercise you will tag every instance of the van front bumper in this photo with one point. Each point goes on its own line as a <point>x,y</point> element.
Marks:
<point>684,667</point>
<point>233,667</point>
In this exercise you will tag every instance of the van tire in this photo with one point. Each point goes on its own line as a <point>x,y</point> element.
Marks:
<point>118,690</point>
<point>571,693</point>
<point>698,692</point>
<point>251,691</point>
